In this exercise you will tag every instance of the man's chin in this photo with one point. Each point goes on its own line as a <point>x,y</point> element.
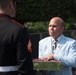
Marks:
<point>51,35</point>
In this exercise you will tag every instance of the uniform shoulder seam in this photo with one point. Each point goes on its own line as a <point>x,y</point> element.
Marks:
<point>18,23</point>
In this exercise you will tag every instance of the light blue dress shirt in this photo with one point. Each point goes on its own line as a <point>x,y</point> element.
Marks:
<point>64,52</point>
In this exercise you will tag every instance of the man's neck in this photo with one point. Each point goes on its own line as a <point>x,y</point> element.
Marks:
<point>1,12</point>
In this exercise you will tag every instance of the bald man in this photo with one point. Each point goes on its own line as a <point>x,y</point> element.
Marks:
<point>65,50</point>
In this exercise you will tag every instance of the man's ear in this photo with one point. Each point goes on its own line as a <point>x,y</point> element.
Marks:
<point>11,8</point>
<point>10,4</point>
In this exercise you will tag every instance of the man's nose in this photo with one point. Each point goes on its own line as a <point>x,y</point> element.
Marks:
<point>51,27</point>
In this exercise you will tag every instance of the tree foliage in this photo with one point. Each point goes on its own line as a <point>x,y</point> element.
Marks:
<point>44,10</point>
<point>35,14</point>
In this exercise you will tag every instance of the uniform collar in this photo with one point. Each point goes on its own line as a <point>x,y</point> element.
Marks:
<point>2,15</point>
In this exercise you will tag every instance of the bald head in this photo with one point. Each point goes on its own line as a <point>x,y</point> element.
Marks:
<point>57,20</point>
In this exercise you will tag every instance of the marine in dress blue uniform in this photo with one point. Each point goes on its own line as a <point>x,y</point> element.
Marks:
<point>15,58</point>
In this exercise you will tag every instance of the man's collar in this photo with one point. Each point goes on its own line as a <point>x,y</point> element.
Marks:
<point>3,15</point>
<point>59,38</point>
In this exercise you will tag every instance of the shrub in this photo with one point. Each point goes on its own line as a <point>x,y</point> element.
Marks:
<point>35,27</point>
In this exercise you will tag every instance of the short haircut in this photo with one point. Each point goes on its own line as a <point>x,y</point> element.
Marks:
<point>4,3</point>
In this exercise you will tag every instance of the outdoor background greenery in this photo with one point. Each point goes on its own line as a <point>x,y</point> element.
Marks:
<point>35,14</point>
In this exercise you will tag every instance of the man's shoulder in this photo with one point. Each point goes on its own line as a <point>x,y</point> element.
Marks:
<point>45,39</point>
<point>69,39</point>
<point>17,24</point>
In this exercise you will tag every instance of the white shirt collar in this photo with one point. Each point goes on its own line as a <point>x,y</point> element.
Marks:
<point>59,38</point>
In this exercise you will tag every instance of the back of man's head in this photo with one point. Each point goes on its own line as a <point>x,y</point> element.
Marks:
<point>3,3</point>
<point>8,7</point>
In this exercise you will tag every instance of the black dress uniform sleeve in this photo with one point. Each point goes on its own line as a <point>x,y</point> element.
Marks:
<point>24,56</point>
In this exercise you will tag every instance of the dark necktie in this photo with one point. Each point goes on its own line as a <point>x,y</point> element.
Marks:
<point>54,44</point>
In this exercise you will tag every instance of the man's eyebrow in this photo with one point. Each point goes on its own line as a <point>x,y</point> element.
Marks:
<point>52,24</point>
